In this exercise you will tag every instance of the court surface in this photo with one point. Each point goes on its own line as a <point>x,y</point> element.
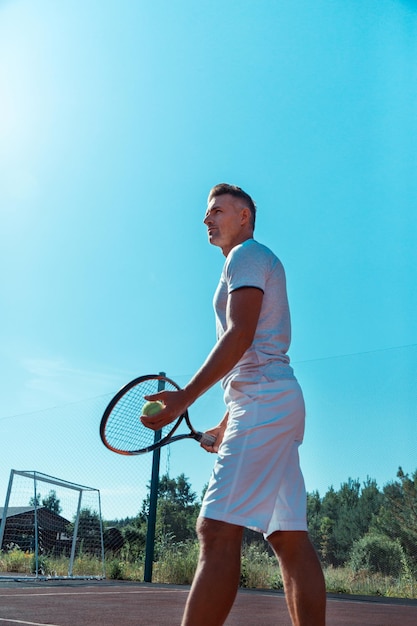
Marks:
<point>111,603</point>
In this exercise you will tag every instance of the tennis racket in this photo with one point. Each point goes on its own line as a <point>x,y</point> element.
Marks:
<point>121,429</point>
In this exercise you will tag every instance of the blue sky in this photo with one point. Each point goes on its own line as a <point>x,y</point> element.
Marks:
<point>116,118</point>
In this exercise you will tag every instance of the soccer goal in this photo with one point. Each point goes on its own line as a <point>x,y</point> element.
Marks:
<point>50,528</point>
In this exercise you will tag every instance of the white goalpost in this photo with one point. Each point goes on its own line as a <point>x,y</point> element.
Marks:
<point>50,528</point>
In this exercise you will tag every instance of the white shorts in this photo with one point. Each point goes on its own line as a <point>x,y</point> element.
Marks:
<point>257,480</point>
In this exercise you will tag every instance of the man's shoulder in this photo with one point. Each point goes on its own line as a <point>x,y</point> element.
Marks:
<point>251,249</point>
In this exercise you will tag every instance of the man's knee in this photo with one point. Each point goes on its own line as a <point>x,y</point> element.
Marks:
<point>210,531</point>
<point>287,541</point>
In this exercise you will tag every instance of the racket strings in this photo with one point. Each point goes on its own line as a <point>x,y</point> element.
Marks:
<point>123,430</point>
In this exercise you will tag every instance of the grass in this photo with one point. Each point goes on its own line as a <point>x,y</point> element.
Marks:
<point>345,580</point>
<point>177,563</point>
<point>20,562</point>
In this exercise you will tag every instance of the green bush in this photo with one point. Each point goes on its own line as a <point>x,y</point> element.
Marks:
<point>115,570</point>
<point>177,563</point>
<point>377,554</point>
<point>15,560</point>
<point>259,570</point>
<point>44,567</point>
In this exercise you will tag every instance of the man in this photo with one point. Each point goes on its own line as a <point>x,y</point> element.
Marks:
<point>256,481</point>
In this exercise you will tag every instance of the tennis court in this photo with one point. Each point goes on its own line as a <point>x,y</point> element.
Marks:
<point>81,603</point>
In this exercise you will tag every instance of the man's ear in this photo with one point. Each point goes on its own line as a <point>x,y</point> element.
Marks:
<point>245,216</point>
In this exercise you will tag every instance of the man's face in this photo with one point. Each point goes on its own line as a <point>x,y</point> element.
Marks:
<point>226,221</point>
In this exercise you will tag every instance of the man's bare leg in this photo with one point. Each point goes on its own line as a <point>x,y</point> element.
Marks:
<point>303,577</point>
<point>217,576</point>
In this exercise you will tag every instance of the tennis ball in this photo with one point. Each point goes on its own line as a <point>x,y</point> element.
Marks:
<point>152,408</point>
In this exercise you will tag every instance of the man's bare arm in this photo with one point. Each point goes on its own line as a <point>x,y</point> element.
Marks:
<point>243,309</point>
<point>242,315</point>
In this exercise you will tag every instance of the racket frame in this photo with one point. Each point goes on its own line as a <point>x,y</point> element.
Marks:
<point>162,441</point>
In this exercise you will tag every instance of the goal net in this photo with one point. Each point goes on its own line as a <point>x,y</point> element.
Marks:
<point>50,528</point>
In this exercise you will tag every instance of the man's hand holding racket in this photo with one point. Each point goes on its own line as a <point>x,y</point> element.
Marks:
<point>218,432</point>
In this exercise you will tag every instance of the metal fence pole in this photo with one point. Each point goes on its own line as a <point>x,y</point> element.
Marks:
<point>6,507</point>
<point>153,501</point>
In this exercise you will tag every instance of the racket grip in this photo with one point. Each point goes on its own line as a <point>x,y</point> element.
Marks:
<point>206,439</point>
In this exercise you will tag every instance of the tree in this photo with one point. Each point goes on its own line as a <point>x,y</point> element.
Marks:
<point>52,503</point>
<point>358,506</point>
<point>341,518</point>
<point>177,509</point>
<point>35,502</point>
<point>397,518</point>
<point>113,540</point>
<point>89,531</point>
<point>329,515</point>
<point>314,516</point>
<point>327,543</point>
<point>370,504</point>
<point>134,537</point>
<point>176,490</point>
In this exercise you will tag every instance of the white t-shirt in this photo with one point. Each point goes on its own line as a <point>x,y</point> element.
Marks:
<point>251,264</point>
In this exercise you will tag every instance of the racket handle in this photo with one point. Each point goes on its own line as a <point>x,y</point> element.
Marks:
<point>206,439</point>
